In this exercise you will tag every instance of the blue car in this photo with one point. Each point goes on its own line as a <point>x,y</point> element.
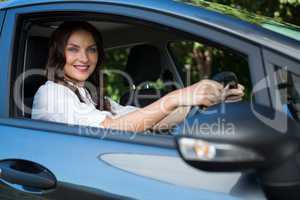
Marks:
<point>235,150</point>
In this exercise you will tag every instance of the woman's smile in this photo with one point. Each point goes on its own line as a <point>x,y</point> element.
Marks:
<point>82,68</point>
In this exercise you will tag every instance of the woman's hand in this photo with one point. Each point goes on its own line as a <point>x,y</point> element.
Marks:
<point>207,93</point>
<point>232,95</point>
<point>203,93</point>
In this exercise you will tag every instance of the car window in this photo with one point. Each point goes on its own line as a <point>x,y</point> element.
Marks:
<point>288,84</point>
<point>137,69</point>
<point>198,61</point>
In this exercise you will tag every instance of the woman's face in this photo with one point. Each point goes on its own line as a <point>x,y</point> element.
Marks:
<point>81,56</point>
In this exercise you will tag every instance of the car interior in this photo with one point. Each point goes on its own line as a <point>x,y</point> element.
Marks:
<point>147,53</point>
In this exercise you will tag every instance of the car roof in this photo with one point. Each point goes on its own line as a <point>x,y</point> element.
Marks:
<point>264,31</point>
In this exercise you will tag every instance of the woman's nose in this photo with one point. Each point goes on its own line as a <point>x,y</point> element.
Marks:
<point>83,57</point>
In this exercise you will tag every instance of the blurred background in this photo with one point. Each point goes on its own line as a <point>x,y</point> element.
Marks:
<point>199,59</point>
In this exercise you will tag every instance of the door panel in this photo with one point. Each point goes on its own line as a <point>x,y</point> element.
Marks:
<point>75,162</point>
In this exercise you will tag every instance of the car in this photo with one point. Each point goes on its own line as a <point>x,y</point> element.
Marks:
<point>235,150</point>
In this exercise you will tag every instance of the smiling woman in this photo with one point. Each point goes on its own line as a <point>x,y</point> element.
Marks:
<point>81,56</point>
<point>76,51</point>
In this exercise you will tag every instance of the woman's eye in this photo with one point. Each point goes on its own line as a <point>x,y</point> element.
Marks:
<point>72,49</point>
<point>93,50</point>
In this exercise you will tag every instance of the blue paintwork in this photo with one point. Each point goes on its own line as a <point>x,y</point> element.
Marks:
<point>248,31</point>
<point>5,49</point>
<point>74,159</point>
<point>2,14</point>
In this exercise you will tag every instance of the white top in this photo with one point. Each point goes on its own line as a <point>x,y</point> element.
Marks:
<point>57,103</point>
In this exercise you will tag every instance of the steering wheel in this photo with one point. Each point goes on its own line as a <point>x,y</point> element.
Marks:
<point>225,78</point>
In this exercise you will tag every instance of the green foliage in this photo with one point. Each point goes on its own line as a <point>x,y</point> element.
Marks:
<point>283,10</point>
<point>221,60</point>
<point>114,82</point>
<point>292,2</point>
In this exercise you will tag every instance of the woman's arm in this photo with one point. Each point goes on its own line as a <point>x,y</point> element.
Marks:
<point>205,92</point>
<point>144,118</point>
<point>172,119</point>
<point>180,113</point>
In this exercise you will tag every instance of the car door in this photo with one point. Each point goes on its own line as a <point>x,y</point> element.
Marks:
<point>41,160</point>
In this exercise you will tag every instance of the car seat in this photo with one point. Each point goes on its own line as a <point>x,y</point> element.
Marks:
<point>143,66</point>
<point>35,58</point>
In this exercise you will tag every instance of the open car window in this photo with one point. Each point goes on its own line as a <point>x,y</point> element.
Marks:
<point>138,68</point>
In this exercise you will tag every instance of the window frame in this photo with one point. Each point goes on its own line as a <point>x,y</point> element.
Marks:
<point>2,16</point>
<point>139,14</point>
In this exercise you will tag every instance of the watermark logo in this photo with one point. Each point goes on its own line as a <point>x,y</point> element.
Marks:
<point>135,94</point>
<point>219,128</point>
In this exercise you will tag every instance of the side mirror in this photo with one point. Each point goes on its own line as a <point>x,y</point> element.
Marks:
<point>236,140</point>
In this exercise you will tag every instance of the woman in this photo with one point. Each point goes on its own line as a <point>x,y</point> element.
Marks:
<point>75,55</point>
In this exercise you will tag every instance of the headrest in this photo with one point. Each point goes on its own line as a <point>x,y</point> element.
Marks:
<point>35,58</point>
<point>144,63</point>
<point>36,52</point>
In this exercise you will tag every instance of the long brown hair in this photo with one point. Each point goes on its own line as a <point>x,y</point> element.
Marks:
<point>56,60</point>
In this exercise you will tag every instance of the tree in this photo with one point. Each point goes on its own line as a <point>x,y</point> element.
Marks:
<point>283,10</point>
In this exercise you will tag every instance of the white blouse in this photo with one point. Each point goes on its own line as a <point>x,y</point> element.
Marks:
<point>57,103</point>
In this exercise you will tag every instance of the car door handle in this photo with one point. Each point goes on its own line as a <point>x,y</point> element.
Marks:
<point>27,174</point>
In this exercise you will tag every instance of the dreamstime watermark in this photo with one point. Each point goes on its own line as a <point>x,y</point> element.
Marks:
<point>220,127</point>
<point>134,96</point>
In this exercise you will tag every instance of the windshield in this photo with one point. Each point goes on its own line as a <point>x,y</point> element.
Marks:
<point>280,27</point>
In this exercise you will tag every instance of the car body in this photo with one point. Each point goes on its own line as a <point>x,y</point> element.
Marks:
<point>86,163</point>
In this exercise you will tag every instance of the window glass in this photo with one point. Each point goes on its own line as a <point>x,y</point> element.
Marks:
<point>197,61</point>
<point>289,89</point>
